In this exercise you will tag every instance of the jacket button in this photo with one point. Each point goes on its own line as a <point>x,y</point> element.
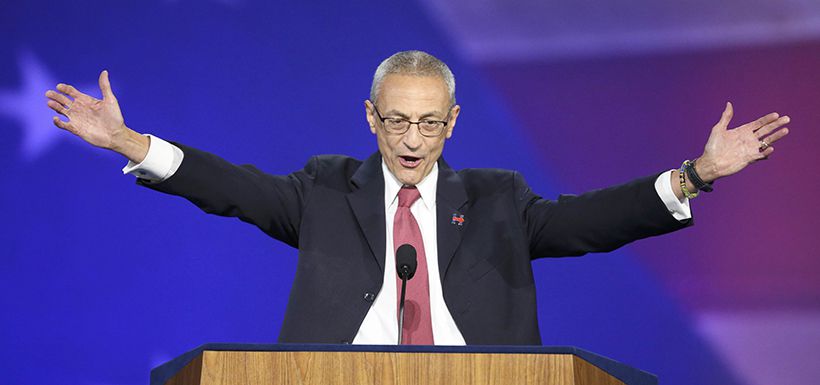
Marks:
<point>369,297</point>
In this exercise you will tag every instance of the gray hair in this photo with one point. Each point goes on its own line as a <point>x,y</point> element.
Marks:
<point>415,63</point>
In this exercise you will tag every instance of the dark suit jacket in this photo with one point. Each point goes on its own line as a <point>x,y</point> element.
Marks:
<point>333,212</point>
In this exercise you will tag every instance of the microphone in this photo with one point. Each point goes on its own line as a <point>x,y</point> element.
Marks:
<point>406,264</point>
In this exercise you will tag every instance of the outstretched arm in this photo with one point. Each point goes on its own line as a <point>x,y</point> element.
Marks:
<point>98,122</point>
<point>271,202</point>
<point>730,150</point>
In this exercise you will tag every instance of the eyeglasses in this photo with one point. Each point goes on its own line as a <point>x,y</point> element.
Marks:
<point>398,126</point>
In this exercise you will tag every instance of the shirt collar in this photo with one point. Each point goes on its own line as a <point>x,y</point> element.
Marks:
<point>427,187</point>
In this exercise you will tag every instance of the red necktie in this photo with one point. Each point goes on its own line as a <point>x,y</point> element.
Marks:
<point>418,329</point>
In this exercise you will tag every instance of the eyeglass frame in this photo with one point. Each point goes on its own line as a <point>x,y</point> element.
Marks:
<point>418,123</point>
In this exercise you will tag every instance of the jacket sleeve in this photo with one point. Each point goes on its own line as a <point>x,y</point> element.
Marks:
<point>274,203</point>
<point>597,221</point>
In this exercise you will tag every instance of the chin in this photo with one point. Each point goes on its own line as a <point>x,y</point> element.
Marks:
<point>409,179</point>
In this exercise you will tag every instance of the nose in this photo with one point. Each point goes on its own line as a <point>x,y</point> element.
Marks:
<point>413,138</point>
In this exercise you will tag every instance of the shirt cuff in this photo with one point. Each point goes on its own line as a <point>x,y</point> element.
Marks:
<point>161,162</point>
<point>679,208</point>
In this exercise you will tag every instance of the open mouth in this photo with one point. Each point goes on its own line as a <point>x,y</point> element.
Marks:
<point>409,161</point>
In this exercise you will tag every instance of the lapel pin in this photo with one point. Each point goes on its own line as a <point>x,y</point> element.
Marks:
<point>458,219</point>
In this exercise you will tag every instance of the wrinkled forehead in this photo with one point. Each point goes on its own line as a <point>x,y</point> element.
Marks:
<point>413,95</point>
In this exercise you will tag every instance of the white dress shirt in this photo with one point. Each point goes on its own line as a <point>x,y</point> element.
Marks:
<point>380,326</point>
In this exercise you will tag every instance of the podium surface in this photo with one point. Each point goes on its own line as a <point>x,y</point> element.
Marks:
<point>389,364</point>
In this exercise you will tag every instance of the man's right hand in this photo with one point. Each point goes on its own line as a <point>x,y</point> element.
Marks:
<point>98,122</point>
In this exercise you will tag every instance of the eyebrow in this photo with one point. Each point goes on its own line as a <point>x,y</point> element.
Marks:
<point>405,116</point>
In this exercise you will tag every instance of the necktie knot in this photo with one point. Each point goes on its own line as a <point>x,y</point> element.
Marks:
<point>408,196</point>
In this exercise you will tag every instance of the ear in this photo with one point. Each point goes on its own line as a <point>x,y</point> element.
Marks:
<point>453,117</point>
<point>370,115</point>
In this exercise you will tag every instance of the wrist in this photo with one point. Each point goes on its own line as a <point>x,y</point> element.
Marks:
<point>688,170</point>
<point>133,145</point>
<point>706,169</point>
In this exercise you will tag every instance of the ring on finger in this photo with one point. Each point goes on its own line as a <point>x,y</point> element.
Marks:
<point>763,145</point>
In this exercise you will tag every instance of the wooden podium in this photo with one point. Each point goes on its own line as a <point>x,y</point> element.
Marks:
<point>235,364</point>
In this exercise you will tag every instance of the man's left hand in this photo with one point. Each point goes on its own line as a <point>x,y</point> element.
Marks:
<point>731,150</point>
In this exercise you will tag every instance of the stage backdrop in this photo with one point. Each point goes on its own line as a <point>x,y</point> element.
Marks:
<point>101,280</point>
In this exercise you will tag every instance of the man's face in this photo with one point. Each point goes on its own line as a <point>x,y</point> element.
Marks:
<point>410,156</point>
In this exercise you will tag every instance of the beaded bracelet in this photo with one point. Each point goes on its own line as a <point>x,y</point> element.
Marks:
<point>682,177</point>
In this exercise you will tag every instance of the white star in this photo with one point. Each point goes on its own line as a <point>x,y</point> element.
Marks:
<point>28,106</point>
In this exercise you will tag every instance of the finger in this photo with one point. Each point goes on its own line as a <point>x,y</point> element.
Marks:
<point>777,123</point>
<point>765,153</point>
<point>762,121</point>
<point>58,97</point>
<point>105,86</point>
<point>71,91</point>
<point>777,135</point>
<point>726,117</point>
<point>58,108</point>
<point>61,124</point>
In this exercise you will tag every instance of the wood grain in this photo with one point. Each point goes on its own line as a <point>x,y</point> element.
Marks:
<point>388,368</point>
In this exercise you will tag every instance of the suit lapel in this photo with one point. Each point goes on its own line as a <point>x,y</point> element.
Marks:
<point>450,202</point>
<point>367,202</point>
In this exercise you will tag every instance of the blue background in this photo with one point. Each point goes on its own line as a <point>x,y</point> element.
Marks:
<point>102,280</point>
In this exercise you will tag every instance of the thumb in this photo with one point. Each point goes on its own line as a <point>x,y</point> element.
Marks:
<point>726,117</point>
<point>105,86</point>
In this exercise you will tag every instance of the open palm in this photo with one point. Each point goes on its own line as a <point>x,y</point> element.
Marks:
<point>98,122</point>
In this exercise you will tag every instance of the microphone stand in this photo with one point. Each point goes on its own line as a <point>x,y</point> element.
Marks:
<point>404,274</point>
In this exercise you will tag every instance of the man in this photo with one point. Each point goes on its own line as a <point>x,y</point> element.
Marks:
<point>475,230</point>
